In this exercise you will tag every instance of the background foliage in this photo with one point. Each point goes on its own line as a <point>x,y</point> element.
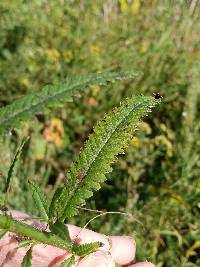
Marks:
<point>42,42</point>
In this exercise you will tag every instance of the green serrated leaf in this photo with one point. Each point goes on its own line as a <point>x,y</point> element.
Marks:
<point>15,159</point>
<point>55,209</point>
<point>69,262</point>
<point>110,137</point>
<point>27,259</point>
<point>40,199</point>
<point>61,230</point>
<point>25,243</point>
<point>85,249</point>
<point>2,233</point>
<point>22,109</point>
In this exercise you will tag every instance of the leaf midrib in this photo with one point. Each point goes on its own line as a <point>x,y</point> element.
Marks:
<point>57,95</point>
<point>97,154</point>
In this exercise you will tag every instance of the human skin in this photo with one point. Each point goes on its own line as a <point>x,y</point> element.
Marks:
<point>116,249</point>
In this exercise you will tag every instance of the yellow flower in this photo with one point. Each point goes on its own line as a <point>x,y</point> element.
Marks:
<point>135,7</point>
<point>136,142</point>
<point>95,49</point>
<point>53,54</point>
<point>146,127</point>
<point>95,89</point>
<point>24,81</point>
<point>162,140</point>
<point>198,142</point>
<point>123,5</point>
<point>54,132</point>
<point>169,132</point>
<point>68,56</point>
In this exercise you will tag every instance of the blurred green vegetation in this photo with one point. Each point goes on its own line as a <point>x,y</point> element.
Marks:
<point>157,180</point>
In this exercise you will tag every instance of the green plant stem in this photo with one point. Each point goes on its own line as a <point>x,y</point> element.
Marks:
<point>190,132</point>
<point>8,223</point>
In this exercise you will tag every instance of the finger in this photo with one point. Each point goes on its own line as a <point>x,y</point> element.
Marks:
<point>42,255</point>
<point>81,236</point>
<point>122,248</point>
<point>21,216</point>
<point>18,214</point>
<point>98,258</point>
<point>143,264</point>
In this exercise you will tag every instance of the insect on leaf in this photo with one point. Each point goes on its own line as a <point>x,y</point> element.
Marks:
<point>111,136</point>
<point>40,199</point>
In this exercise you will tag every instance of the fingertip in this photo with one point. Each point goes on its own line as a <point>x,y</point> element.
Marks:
<point>143,264</point>
<point>123,249</point>
<point>98,258</point>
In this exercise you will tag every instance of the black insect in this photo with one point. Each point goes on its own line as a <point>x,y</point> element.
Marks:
<point>157,96</point>
<point>22,238</point>
<point>3,208</point>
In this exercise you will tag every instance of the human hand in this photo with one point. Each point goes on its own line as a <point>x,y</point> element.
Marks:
<point>116,249</point>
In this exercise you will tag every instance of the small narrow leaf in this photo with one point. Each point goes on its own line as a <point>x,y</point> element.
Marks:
<point>61,230</point>
<point>27,259</point>
<point>55,209</point>
<point>69,262</point>
<point>15,159</point>
<point>85,249</point>
<point>111,136</point>
<point>2,233</point>
<point>40,199</point>
<point>25,243</point>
